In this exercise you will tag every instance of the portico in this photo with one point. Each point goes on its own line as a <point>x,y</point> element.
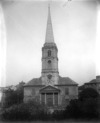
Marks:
<point>49,96</point>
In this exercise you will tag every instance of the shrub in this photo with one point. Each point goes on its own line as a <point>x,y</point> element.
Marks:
<point>16,112</point>
<point>88,93</point>
<point>86,107</point>
<point>25,111</point>
<point>73,110</point>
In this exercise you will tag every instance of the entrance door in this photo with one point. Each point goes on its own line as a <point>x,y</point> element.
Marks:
<point>49,97</point>
<point>43,98</point>
<point>56,99</point>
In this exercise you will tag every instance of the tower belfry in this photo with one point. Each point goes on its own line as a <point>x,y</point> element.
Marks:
<point>49,56</point>
<point>49,30</point>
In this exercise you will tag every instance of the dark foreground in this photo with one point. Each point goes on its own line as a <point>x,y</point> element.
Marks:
<point>51,122</point>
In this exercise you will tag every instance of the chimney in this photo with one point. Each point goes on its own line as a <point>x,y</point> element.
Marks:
<point>98,78</point>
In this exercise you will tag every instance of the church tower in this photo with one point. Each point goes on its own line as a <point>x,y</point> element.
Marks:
<point>50,72</point>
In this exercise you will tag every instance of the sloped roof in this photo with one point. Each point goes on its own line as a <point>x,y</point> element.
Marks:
<point>66,81</point>
<point>34,81</point>
<point>62,81</point>
<point>93,81</point>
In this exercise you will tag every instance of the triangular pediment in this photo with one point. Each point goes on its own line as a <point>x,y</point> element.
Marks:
<point>49,88</point>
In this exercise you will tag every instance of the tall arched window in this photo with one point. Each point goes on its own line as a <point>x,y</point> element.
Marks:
<point>49,53</point>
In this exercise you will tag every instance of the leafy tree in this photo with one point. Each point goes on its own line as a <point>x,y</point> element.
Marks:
<point>87,106</point>
<point>89,98</point>
<point>88,93</point>
<point>10,98</point>
<point>90,108</point>
<point>20,92</point>
<point>13,96</point>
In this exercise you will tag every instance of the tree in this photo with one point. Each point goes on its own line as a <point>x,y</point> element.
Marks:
<point>10,98</point>
<point>87,106</point>
<point>20,92</point>
<point>88,93</point>
<point>13,96</point>
<point>89,98</point>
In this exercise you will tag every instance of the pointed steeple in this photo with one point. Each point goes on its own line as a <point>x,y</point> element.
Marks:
<point>49,31</point>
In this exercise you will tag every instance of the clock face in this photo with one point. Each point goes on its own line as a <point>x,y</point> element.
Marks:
<point>49,76</point>
<point>49,61</point>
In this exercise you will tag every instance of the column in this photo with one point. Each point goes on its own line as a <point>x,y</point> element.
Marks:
<point>45,98</point>
<point>58,98</point>
<point>40,98</point>
<point>53,99</point>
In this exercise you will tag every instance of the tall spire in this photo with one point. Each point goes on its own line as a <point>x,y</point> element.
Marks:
<point>49,31</point>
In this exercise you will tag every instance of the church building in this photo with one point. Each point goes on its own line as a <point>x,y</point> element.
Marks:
<point>50,89</point>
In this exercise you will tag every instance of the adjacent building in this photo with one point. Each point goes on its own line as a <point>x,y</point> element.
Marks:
<point>95,84</point>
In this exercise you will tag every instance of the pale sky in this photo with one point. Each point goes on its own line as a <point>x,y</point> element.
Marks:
<point>74,27</point>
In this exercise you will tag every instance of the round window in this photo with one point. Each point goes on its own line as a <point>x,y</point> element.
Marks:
<point>49,61</point>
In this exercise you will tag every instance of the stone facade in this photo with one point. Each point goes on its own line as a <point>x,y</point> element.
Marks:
<point>64,91</point>
<point>50,89</point>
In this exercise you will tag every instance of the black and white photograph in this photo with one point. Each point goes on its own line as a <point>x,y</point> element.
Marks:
<point>49,61</point>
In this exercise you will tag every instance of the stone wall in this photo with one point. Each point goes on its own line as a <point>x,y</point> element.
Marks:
<point>72,94</point>
<point>31,93</point>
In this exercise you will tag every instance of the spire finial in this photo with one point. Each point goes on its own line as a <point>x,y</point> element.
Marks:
<point>49,31</point>
<point>49,6</point>
<point>49,11</point>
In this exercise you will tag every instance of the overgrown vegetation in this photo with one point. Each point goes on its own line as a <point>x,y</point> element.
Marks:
<point>23,111</point>
<point>86,107</point>
<point>13,96</point>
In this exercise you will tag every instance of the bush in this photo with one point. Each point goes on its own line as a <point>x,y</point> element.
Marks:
<point>24,111</point>
<point>30,111</point>
<point>88,93</point>
<point>86,107</point>
<point>73,110</point>
<point>90,108</point>
<point>16,112</point>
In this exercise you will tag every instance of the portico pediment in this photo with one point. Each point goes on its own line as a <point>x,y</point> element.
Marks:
<point>49,88</point>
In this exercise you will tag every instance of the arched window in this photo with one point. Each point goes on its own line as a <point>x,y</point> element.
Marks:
<point>49,53</point>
